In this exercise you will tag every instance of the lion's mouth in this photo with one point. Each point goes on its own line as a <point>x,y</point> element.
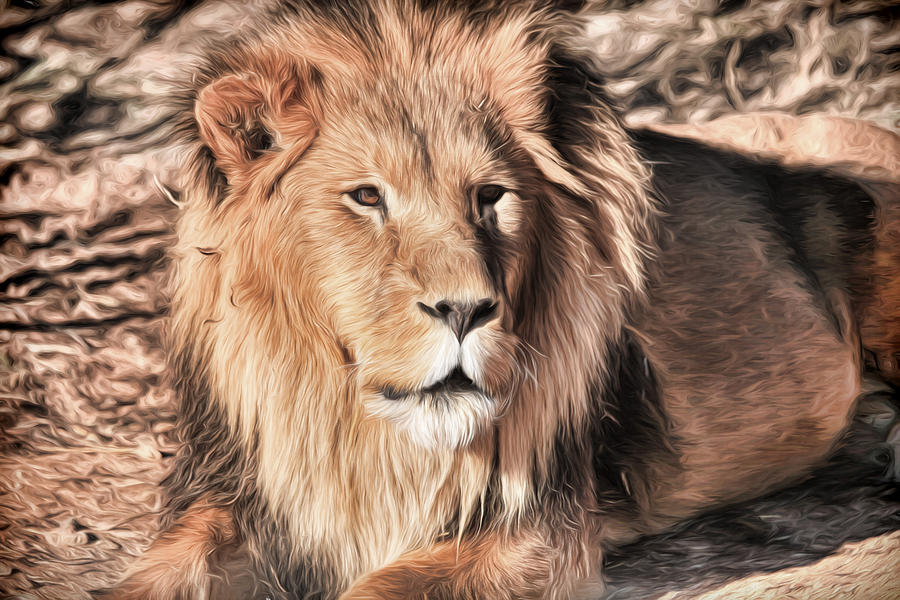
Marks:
<point>457,382</point>
<point>446,414</point>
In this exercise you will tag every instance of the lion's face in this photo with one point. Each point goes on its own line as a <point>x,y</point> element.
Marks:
<point>403,235</point>
<point>413,232</point>
<point>402,204</point>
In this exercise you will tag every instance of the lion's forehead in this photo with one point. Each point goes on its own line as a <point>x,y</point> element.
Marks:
<point>414,134</point>
<point>425,93</point>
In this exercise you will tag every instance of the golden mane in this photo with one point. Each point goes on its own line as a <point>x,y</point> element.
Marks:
<point>283,397</point>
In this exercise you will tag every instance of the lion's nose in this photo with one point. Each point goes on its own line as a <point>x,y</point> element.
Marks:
<point>462,317</point>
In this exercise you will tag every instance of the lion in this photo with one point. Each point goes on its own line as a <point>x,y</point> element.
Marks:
<point>444,328</point>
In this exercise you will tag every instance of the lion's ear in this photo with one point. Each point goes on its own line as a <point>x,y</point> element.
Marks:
<point>242,117</point>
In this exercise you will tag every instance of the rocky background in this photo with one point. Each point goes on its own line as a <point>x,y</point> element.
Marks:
<point>88,194</point>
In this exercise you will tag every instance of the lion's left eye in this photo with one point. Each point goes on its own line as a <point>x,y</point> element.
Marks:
<point>489,194</point>
<point>367,196</point>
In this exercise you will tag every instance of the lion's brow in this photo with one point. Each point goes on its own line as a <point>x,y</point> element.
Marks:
<point>421,140</point>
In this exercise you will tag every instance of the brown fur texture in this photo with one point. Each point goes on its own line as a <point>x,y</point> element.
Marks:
<point>847,147</point>
<point>182,561</point>
<point>659,343</point>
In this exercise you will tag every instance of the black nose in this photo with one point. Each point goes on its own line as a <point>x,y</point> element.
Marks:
<point>462,317</point>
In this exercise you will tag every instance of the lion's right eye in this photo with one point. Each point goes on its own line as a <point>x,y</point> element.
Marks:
<point>367,196</point>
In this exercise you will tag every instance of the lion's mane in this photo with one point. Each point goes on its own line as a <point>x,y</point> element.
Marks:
<point>272,423</point>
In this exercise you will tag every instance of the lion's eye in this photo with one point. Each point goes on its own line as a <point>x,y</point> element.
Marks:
<point>489,194</point>
<point>367,196</point>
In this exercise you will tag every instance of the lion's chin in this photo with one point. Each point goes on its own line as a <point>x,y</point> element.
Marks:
<point>437,419</point>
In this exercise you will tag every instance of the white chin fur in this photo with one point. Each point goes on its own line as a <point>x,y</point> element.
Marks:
<point>451,421</point>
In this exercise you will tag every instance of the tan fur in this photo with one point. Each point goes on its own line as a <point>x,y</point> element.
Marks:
<point>880,320</point>
<point>297,306</point>
<point>492,566</point>
<point>177,565</point>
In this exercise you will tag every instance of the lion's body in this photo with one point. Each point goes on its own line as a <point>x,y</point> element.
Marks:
<point>657,346</point>
<point>749,323</point>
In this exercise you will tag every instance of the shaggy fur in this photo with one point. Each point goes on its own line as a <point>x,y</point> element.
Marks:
<point>656,344</point>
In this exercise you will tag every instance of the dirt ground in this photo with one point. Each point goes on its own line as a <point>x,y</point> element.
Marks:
<point>89,192</point>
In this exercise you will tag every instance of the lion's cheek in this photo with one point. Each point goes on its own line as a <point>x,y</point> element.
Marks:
<point>481,355</point>
<point>490,357</point>
<point>407,356</point>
